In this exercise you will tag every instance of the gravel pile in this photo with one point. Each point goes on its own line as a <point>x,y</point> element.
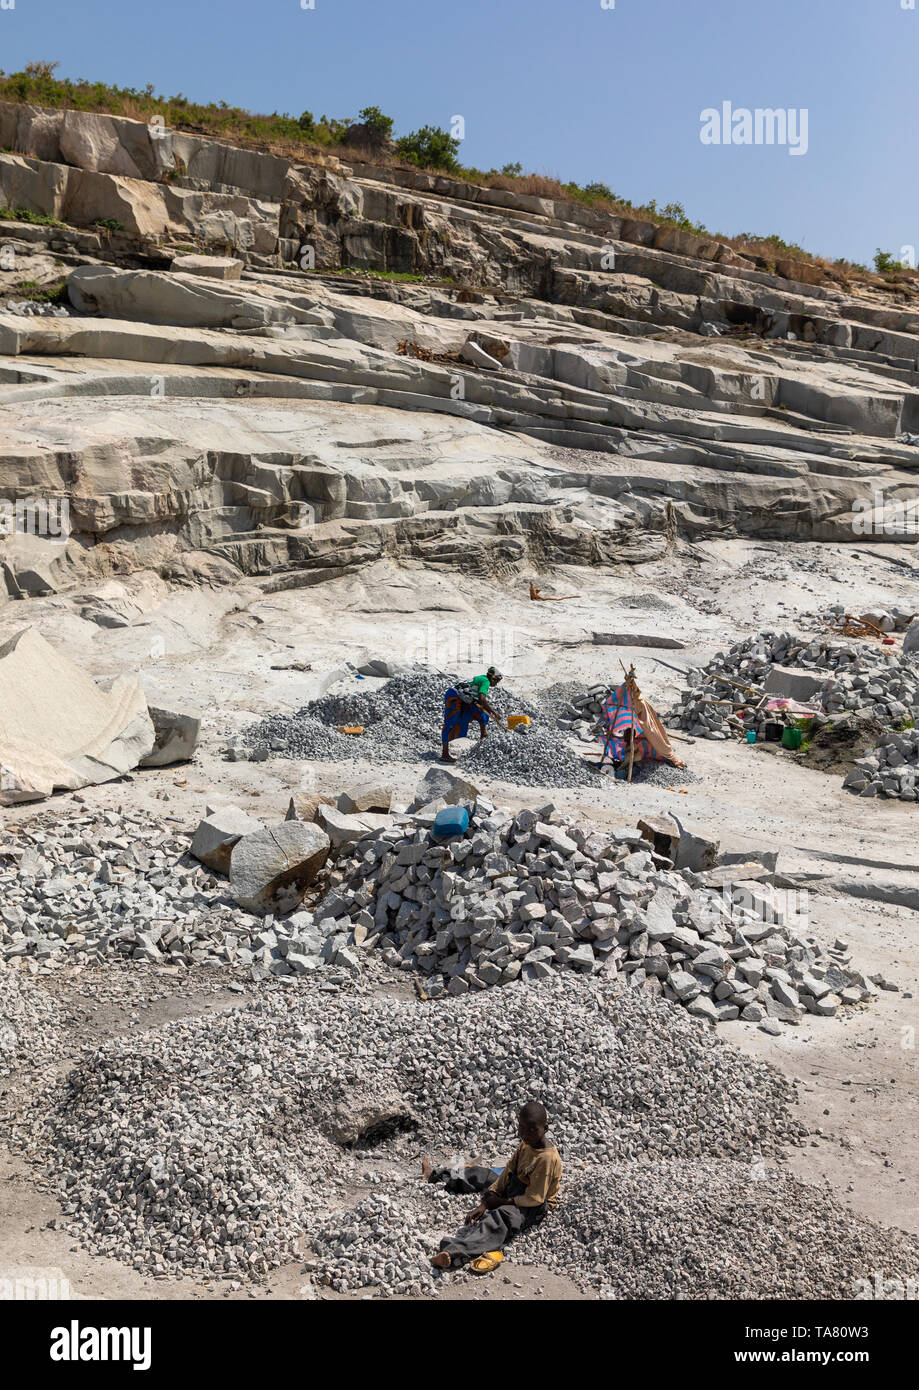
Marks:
<point>378,1244</point>
<point>209,1145</point>
<point>166,1156</point>
<point>755,1233</point>
<point>77,890</point>
<point>532,757</point>
<point>891,769</point>
<point>652,774</point>
<point>403,719</point>
<point>869,681</point>
<point>29,1022</point>
<point>523,896</point>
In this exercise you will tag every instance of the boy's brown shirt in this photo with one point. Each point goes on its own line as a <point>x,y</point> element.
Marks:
<point>540,1170</point>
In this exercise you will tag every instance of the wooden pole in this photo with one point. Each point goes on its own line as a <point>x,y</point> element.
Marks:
<point>749,689</point>
<point>630,688</point>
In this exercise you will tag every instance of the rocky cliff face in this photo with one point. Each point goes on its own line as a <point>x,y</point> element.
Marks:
<point>213,389</point>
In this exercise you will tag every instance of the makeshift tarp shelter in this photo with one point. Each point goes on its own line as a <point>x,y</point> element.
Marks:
<point>625,709</point>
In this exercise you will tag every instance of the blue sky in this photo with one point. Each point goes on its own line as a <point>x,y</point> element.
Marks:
<point>564,86</point>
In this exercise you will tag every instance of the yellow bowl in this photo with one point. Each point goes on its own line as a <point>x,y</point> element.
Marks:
<point>514,719</point>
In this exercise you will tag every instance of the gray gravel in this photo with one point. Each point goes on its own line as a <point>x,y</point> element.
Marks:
<point>534,757</point>
<point>77,888</point>
<point>712,1229</point>
<point>403,718</point>
<point>213,1147</point>
<point>29,1020</point>
<point>203,1146</point>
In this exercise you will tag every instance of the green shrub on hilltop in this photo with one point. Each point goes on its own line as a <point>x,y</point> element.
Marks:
<point>430,148</point>
<point>885,263</point>
<point>373,118</point>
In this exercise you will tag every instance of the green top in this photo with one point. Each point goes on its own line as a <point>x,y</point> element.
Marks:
<point>481,683</point>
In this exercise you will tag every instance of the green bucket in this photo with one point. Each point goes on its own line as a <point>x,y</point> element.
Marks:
<point>791,738</point>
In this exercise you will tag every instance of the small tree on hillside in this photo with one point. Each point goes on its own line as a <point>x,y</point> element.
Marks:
<point>430,148</point>
<point>380,125</point>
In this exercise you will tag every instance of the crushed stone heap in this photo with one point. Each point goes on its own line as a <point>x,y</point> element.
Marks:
<point>521,896</point>
<point>851,676</point>
<point>403,719</point>
<point>756,1233</point>
<point>30,1022</point>
<point>891,769</point>
<point>95,885</point>
<point>228,1144</point>
<point>213,1144</point>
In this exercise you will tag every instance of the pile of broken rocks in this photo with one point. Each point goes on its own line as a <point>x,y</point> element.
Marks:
<point>216,1145</point>
<point>891,769</point>
<point>839,676</point>
<point>212,1145</point>
<point>403,717</point>
<point>522,896</point>
<point>582,713</point>
<point>132,886</point>
<point>516,897</point>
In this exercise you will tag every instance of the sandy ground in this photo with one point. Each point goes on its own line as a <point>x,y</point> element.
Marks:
<point>858,1086</point>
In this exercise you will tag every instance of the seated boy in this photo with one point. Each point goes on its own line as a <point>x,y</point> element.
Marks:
<point>524,1193</point>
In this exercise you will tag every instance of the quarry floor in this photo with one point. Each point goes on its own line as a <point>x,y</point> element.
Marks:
<point>214,649</point>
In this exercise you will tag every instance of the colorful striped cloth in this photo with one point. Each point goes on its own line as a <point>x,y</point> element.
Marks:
<point>458,713</point>
<point>618,718</point>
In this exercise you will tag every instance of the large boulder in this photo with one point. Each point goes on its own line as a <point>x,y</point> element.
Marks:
<point>911,638</point>
<point>696,851</point>
<point>41,565</point>
<point>365,796</point>
<point>222,828</point>
<point>440,783</point>
<point>472,352</point>
<point>346,830</point>
<point>271,869</point>
<point>60,729</point>
<point>794,682</point>
<point>879,617</point>
<point>176,737</point>
<point>662,833</point>
<point>305,805</point>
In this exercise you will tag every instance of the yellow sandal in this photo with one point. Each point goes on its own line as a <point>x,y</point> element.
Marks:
<point>484,1264</point>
